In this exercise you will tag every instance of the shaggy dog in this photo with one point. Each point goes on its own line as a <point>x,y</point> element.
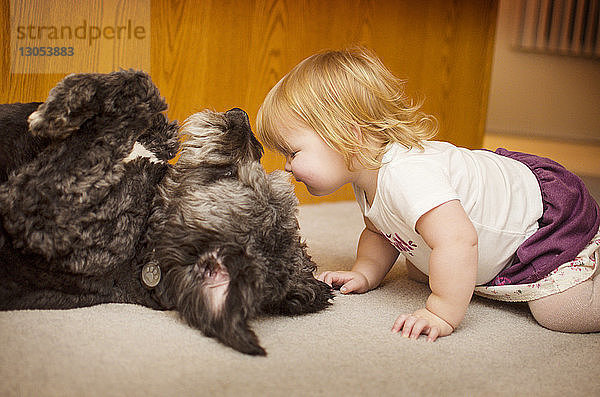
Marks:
<point>91,211</point>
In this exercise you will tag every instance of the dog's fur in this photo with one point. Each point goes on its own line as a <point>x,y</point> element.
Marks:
<point>82,214</point>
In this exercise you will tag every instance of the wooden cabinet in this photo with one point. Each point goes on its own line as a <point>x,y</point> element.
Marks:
<point>221,54</point>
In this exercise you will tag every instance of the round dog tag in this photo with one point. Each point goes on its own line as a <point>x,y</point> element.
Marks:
<point>151,274</point>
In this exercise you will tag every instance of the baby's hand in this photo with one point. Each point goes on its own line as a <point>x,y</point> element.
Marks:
<point>348,281</point>
<point>422,322</point>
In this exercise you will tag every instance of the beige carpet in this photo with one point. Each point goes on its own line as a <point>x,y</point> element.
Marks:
<point>348,350</point>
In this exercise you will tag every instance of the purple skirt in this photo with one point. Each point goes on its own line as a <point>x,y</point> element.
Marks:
<point>569,221</point>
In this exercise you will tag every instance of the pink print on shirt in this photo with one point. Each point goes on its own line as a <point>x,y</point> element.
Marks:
<point>401,245</point>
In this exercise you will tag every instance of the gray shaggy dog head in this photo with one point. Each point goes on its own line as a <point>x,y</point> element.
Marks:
<point>228,239</point>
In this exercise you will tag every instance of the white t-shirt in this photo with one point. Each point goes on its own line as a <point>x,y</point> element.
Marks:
<point>500,195</point>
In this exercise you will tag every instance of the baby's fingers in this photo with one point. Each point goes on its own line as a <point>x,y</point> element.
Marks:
<point>399,323</point>
<point>413,326</point>
<point>321,277</point>
<point>434,332</point>
<point>352,285</point>
<point>348,281</point>
<point>327,278</point>
<point>334,279</point>
<point>418,327</point>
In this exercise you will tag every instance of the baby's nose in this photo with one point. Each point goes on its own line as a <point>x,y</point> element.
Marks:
<point>288,166</point>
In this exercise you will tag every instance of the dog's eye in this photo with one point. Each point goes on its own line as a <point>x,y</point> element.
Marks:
<point>228,174</point>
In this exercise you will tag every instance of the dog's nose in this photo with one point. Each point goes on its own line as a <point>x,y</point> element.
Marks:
<point>240,122</point>
<point>238,115</point>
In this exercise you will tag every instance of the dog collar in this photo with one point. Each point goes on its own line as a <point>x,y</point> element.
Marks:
<point>151,274</point>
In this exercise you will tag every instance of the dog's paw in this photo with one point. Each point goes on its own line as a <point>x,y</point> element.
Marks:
<point>307,295</point>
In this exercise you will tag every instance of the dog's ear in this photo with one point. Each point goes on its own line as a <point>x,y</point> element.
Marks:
<point>69,104</point>
<point>211,299</point>
<point>122,96</point>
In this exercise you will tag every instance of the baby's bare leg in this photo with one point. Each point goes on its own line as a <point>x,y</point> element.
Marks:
<point>415,274</point>
<point>574,310</point>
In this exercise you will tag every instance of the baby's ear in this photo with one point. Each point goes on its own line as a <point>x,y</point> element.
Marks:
<point>209,299</point>
<point>357,132</point>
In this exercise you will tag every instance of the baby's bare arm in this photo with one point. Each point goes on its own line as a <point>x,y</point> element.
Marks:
<point>453,262</point>
<point>375,255</point>
<point>452,272</point>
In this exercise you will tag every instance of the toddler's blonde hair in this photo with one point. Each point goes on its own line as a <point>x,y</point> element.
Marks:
<point>333,91</point>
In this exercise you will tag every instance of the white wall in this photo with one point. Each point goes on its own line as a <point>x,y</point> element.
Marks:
<point>541,95</point>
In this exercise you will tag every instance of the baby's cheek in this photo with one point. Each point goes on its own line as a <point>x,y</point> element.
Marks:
<point>311,174</point>
<point>297,168</point>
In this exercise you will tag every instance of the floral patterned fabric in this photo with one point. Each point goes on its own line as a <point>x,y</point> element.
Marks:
<point>567,275</point>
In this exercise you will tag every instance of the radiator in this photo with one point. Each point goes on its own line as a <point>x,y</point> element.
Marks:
<point>567,27</point>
